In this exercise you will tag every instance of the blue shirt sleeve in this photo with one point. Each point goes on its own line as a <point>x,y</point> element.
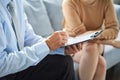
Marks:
<point>12,60</point>
<point>15,61</point>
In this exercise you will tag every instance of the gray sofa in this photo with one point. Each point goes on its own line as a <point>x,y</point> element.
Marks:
<point>117,2</point>
<point>48,16</point>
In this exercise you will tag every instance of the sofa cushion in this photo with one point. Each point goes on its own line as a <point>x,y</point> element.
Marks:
<point>117,1</point>
<point>41,23</point>
<point>112,55</point>
<point>54,10</point>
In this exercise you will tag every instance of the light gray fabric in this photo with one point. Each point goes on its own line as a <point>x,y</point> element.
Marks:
<point>41,23</point>
<point>117,1</point>
<point>54,10</point>
<point>76,69</point>
<point>112,55</point>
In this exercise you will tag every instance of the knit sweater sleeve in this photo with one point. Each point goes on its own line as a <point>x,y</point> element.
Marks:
<point>111,23</point>
<point>72,23</point>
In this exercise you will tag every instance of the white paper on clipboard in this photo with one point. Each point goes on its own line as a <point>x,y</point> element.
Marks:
<point>83,37</point>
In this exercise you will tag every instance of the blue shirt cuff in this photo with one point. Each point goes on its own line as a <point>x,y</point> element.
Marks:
<point>59,51</point>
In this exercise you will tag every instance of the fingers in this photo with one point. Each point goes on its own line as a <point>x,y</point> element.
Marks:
<point>73,49</point>
<point>79,46</point>
<point>116,44</point>
<point>63,37</point>
<point>69,50</point>
<point>57,40</point>
<point>104,42</point>
<point>62,33</point>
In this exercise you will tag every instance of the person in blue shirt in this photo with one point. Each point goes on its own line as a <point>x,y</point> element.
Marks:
<point>27,56</point>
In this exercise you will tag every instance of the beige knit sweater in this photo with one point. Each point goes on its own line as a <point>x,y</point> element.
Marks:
<point>82,15</point>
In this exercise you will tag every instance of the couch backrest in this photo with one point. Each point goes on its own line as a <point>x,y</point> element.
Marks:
<point>38,17</point>
<point>44,15</point>
<point>117,2</point>
<point>54,10</point>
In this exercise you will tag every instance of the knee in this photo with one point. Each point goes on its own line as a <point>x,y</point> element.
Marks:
<point>91,48</point>
<point>102,63</point>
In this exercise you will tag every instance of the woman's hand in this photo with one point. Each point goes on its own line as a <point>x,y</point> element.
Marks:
<point>107,34</point>
<point>114,43</point>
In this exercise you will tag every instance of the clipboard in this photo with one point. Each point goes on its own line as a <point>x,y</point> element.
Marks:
<point>83,37</point>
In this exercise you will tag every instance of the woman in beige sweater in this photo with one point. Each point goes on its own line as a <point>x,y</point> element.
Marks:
<point>87,15</point>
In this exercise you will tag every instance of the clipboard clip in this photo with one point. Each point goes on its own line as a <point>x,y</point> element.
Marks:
<point>96,34</point>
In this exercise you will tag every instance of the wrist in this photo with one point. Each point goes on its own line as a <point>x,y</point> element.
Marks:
<point>48,44</point>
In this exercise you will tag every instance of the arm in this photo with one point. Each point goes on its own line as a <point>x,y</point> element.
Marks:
<point>36,48</point>
<point>72,22</point>
<point>111,23</point>
<point>53,41</point>
<point>14,61</point>
<point>114,43</point>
